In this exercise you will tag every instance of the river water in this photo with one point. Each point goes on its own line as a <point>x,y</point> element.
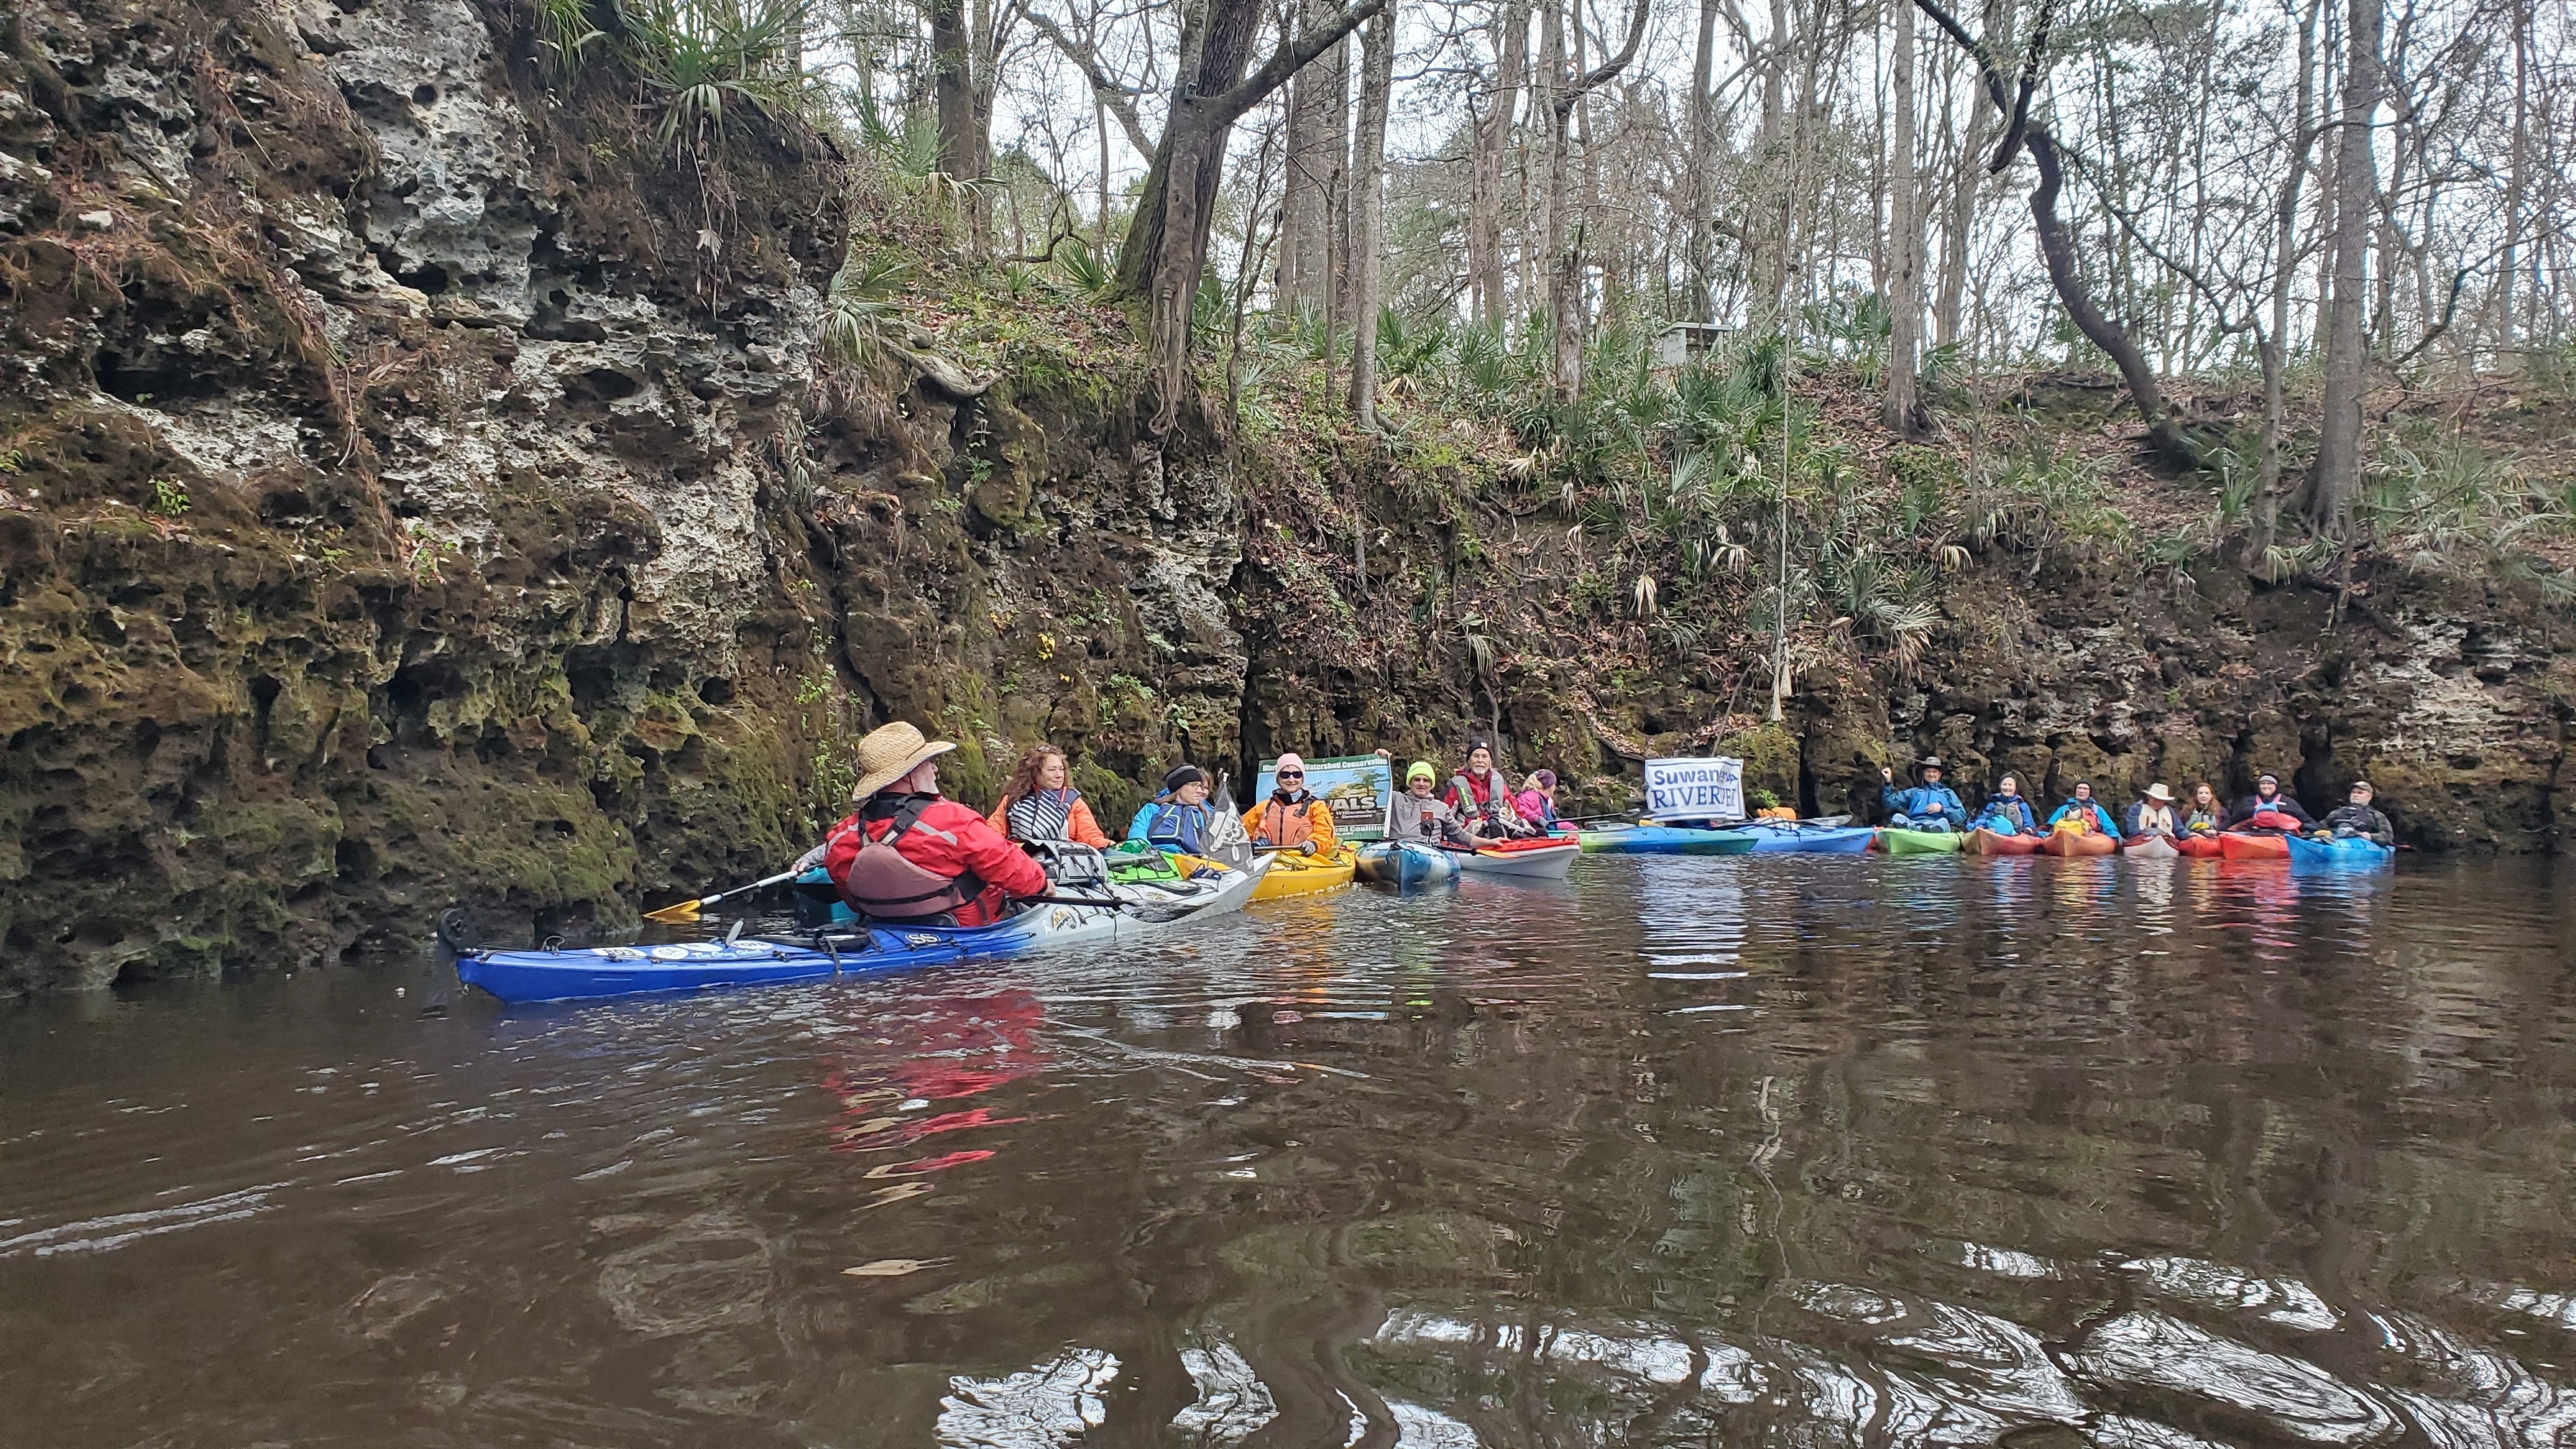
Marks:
<point>1800,1151</point>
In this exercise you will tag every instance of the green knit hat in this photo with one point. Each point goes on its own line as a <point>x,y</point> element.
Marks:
<point>1420,770</point>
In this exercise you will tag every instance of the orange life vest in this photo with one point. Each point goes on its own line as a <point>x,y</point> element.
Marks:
<point>1286,826</point>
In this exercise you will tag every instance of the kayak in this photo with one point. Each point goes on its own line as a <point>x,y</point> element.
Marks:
<point>2199,847</point>
<point>2149,847</point>
<point>1527,859</point>
<point>1405,864</point>
<point>1649,839</point>
<point>1771,837</point>
<point>1988,842</point>
<point>869,951</point>
<point>2076,843</point>
<point>1920,842</point>
<point>2339,850</point>
<point>1292,874</point>
<point>2253,845</point>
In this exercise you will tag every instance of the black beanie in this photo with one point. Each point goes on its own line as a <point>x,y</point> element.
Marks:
<point>1183,775</point>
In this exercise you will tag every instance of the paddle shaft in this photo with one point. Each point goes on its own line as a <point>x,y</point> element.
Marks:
<point>686,910</point>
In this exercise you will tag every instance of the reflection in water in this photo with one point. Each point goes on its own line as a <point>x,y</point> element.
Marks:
<point>1794,1151</point>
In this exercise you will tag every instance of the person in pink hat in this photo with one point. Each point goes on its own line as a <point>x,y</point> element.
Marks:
<point>1292,818</point>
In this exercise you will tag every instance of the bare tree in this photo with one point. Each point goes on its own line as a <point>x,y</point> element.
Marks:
<point>2338,463</point>
<point>1368,208</point>
<point>1564,247</point>
<point>1492,133</point>
<point>1904,408</point>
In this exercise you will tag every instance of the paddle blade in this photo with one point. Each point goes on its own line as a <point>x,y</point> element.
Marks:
<point>682,914</point>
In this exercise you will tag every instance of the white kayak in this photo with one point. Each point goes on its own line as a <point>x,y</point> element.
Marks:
<point>1546,860</point>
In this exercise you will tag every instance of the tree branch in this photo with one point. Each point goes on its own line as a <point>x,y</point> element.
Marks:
<point>1118,99</point>
<point>1286,61</point>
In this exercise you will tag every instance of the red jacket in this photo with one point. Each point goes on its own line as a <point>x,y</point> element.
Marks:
<point>949,840</point>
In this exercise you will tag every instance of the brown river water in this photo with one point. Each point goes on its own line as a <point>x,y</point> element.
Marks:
<point>1798,1151</point>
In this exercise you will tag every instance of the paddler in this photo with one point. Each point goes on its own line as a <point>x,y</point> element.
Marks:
<point>1929,805</point>
<point>2267,799</point>
<point>1480,798</point>
<point>2006,812</point>
<point>2084,813</point>
<point>2357,816</point>
<point>1416,816</point>
<point>2206,816</point>
<point>2153,814</point>
<point>907,856</point>
<point>1537,800</point>
<point>1040,803</point>
<point>1293,818</point>
<point>1178,818</point>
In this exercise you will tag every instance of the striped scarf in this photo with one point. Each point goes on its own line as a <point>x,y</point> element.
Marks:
<point>1042,815</point>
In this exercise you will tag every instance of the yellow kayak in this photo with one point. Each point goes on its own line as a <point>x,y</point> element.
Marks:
<point>1292,874</point>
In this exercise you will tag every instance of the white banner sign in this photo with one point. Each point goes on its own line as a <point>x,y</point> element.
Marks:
<point>1708,788</point>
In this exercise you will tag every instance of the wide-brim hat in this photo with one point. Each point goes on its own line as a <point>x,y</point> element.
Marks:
<point>1929,762</point>
<point>2159,794</point>
<point>888,753</point>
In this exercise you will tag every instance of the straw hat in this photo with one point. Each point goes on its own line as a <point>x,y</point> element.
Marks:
<point>890,752</point>
<point>2159,794</point>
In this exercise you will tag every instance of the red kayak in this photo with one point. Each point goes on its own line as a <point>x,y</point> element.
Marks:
<point>2253,845</point>
<point>2204,847</point>
<point>1987,842</point>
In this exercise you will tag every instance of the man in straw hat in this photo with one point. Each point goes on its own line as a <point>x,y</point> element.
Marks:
<point>2153,814</point>
<point>907,856</point>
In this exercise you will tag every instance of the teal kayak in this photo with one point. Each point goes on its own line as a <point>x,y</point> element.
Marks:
<point>1802,838</point>
<point>1405,864</point>
<point>1651,839</point>
<point>2339,850</point>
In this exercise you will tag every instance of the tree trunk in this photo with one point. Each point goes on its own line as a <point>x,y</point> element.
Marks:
<point>1702,191</point>
<point>1312,161</point>
<point>1904,410</point>
<point>1167,240</point>
<point>953,94</point>
<point>1770,231</point>
<point>2056,247</point>
<point>2338,468</point>
<point>1565,251</point>
<point>2272,344</point>
<point>1368,167</point>
<point>1947,316</point>
<point>1493,132</point>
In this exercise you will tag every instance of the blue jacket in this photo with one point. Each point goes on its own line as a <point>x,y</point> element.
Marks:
<point>2008,815</point>
<point>2102,820</point>
<point>1171,825</point>
<point>1915,803</point>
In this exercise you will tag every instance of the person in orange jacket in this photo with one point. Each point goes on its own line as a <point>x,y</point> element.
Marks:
<point>909,856</point>
<point>1040,803</point>
<point>1292,818</point>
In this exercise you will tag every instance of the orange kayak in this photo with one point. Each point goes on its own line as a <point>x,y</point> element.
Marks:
<point>2204,846</point>
<point>1987,842</point>
<point>2252,845</point>
<point>2077,842</point>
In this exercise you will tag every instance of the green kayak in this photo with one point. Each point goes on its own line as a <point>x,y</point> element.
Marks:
<point>1920,842</point>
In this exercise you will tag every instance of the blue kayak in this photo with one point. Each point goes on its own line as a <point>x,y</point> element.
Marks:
<point>1646,838</point>
<point>870,951</point>
<point>2339,850</point>
<point>1405,864</point>
<point>1771,837</point>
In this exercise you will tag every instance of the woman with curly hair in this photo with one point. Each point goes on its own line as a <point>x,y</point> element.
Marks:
<point>1040,803</point>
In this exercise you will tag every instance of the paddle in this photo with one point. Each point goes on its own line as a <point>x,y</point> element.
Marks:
<point>687,911</point>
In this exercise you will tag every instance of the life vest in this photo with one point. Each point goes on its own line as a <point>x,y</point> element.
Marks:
<point>2156,820</point>
<point>2269,820</point>
<point>1493,808</point>
<point>2083,822</point>
<point>1175,826</point>
<point>1287,826</point>
<point>883,885</point>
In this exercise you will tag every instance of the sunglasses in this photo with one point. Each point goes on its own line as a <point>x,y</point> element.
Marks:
<point>1292,774</point>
